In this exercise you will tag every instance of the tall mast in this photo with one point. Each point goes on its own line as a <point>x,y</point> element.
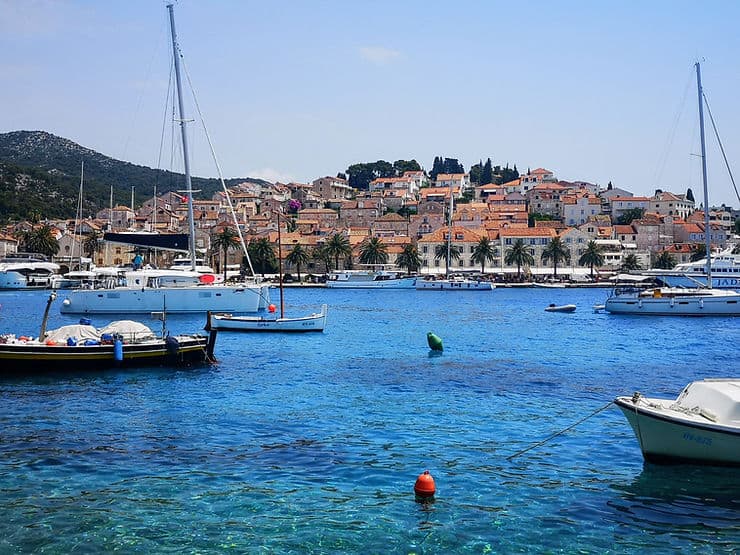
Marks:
<point>707,231</point>
<point>280,268</point>
<point>183,132</point>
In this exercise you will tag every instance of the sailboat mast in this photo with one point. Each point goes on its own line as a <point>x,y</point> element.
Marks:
<point>183,132</point>
<point>280,268</point>
<point>707,231</point>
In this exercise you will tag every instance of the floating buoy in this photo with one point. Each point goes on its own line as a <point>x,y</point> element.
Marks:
<point>424,486</point>
<point>435,342</point>
<point>271,309</point>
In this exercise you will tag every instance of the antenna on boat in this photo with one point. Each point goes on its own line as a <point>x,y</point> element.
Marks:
<point>183,132</point>
<point>707,230</point>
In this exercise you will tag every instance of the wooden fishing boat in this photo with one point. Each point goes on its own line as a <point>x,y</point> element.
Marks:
<point>84,347</point>
<point>312,322</point>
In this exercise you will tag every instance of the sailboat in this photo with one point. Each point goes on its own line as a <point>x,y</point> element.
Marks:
<point>270,322</point>
<point>450,283</point>
<point>177,291</point>
<point>668,301</point>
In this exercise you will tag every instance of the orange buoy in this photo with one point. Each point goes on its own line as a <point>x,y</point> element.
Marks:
<point>271,309</point>
<point>424,486</point>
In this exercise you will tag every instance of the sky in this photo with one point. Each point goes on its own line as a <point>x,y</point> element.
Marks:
<point>599,91</point>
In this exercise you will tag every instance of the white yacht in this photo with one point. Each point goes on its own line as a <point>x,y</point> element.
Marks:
<point>172,290</point>
<point>454,284</point>
<point>373,277</point>
<point>26,271</point>
<point>725,272</point>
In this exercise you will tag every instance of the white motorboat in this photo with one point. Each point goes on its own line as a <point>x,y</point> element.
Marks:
<point>373,277</point>
<point>454,284</point>
<point>175,290</point>
<point>270,322</point>
<point>561,308</point>
<point>697,300</point>
<point>701,426</point>
<point>725,272</point>
<point>26,271</point>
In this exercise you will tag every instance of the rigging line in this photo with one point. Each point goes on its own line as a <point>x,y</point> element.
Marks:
<point>164,125</point>
<point>721,147</point>
<point>658,176</point>
<point>218,166</point>
<point>556,434</point>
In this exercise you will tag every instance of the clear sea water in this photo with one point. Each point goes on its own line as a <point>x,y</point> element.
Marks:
<point>312,443</point>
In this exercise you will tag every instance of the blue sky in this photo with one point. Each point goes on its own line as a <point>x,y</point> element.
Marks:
<point>293,90</point>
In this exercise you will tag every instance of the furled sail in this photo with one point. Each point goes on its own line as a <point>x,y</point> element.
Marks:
<point>165,241</point>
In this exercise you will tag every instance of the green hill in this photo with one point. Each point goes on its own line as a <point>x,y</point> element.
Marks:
<point>40,172</point>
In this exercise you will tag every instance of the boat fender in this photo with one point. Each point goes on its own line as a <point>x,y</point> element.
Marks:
<point>172,345</point>
<point>118,349</point>
<point>50,342</point>
<point>71,342</point>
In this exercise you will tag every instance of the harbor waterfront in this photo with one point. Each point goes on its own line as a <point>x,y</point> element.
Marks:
<point>311,443</point>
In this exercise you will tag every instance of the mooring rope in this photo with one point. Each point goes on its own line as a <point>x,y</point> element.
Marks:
<point>581,421</point>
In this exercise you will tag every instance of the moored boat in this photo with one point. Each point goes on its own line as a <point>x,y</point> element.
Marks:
<point>372,277</point>
<point>84,347</point>
<point>701,426</point>
<point>26,271</point>
<point>561,308</point>
<point>312,322</point>
<point>454,284</point>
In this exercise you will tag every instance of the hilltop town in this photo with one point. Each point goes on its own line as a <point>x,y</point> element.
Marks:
<point>410,209</point>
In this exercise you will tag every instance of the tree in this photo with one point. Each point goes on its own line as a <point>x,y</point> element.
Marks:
<point>483,252</point>
<point>401,166</point>
<point>487,173</point>
<point>42,240</point>
<point>556,252</point>
<point>298,256</point>
<point>664,261</point>
<point>475,172</point>
<point>518,254</point>
<point>323,256</point>
<point>437,168</point>
<point>440,252</point>
<point>698,252</point>
<point>629,215</point>
<point>690,195</point>
<point>409,258</point>
<point>338,246</point>
<point>630,263</point>
<point>592,256</point>
<point>373,251</point>
<point>224,241</point>
<point>262,255</point>
<point>92,244</point>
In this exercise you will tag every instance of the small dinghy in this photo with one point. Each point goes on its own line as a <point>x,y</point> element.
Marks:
<point>561,308</point>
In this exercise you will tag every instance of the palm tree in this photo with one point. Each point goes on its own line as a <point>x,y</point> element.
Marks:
<point>263,255</point>
<point>440,252</point>
<point>664,261</point>
<point>42,240</point>
<point>483,252</point>
<point>557,252</point>
<point>298,256</point>
<point>409,258</point>
<point>227,239</point>
<point>592,256</point>
<point>373,251</point>
<point>338,246</point>
<point>322,255</point>
<point>518,254</point>
<point>631,262</point>
<point>92,244</point>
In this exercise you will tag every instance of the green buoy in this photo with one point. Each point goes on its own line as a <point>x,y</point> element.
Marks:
<point>435,342</point>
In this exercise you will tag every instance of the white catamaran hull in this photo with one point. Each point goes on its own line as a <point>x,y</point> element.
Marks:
<point>194,299</point>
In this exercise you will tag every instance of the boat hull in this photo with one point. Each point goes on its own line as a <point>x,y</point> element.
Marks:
<point>453,285</point>
<point>400,283</point>
<point>193,299</point>
<point>688,306</point>
<point>665,439</point>
<point>563,308</point>
<point>35,358</point>
<point>16,280</point>
<point>312,323</point>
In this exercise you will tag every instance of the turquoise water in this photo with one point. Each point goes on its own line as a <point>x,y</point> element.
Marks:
<point>312,443</point>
